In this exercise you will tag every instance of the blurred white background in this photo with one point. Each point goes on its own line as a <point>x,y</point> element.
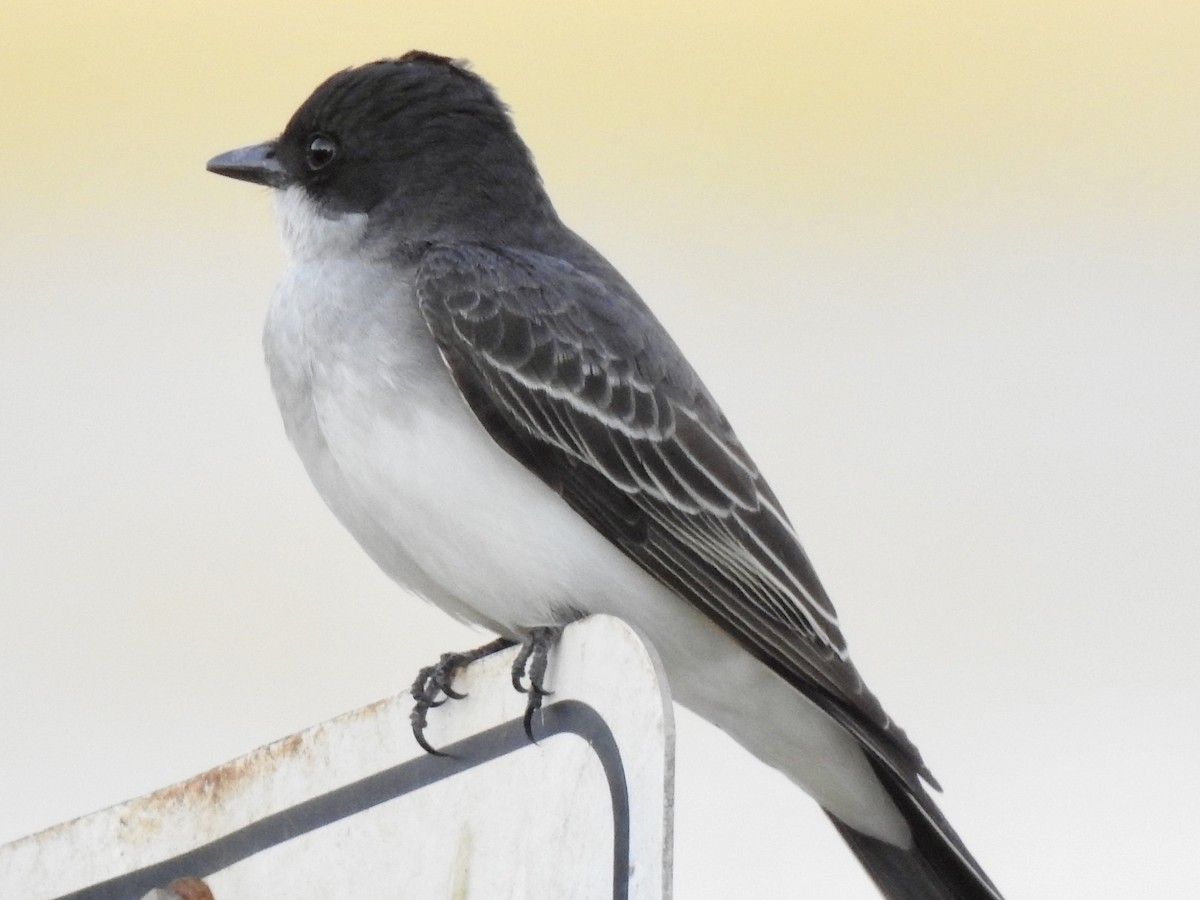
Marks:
<point>939,266</point>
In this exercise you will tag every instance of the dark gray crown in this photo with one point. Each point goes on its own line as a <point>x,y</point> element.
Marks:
<point>420,138</point>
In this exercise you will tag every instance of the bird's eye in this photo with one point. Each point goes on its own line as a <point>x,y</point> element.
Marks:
<point>320,153</point>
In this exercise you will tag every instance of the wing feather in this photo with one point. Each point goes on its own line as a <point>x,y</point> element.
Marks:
<point>574,377</point>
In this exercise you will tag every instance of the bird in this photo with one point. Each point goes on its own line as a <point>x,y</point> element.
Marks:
<point>503,425</point>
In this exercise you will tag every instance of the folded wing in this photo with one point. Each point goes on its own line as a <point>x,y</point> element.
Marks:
<point>578,381</point>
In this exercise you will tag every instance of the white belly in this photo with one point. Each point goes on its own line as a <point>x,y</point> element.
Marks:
<point>400,459</point>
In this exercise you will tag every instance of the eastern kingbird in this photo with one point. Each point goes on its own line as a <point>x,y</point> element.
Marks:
<point>507,430</point>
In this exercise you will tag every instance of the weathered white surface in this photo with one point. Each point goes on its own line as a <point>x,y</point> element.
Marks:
<point>534,822</point>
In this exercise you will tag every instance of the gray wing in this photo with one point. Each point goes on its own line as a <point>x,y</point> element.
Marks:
<point>574,377</point>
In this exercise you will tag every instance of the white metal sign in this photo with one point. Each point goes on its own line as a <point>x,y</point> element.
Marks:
<point>353,808</point>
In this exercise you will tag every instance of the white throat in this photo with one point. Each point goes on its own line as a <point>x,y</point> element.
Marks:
<point>310,232</point>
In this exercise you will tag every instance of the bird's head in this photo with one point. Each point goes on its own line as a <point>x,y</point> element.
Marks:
<point>420,145</point>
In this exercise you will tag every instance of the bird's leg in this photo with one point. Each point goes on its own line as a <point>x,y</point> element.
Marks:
<point>435,681</point>
<point>530,664</point>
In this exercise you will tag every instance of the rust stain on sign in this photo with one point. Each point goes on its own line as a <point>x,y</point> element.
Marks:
<point>222,786</point>
<point>214,788</point>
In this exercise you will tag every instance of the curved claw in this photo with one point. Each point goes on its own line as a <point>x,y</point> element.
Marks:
<point>531,663</point>
<point>434,686</point>
<point>527,721</point>
<point>451,694</point>
<point>520,662</point>
<point>418,730</point>
<point>424,691</point>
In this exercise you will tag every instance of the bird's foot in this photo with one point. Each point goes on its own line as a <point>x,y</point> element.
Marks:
<point>434,686</point>
<point>530,665</point>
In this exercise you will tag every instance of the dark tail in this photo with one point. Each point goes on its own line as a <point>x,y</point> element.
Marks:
<point>936,867</point>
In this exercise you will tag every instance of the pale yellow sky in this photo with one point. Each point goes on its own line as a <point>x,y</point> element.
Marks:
<point>863,102</point>
<point>938,261</point>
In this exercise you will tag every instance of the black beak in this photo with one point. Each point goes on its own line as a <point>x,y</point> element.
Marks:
<point>257,164</point>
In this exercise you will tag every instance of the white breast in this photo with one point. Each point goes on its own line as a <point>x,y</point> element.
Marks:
<point>399,457</point>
